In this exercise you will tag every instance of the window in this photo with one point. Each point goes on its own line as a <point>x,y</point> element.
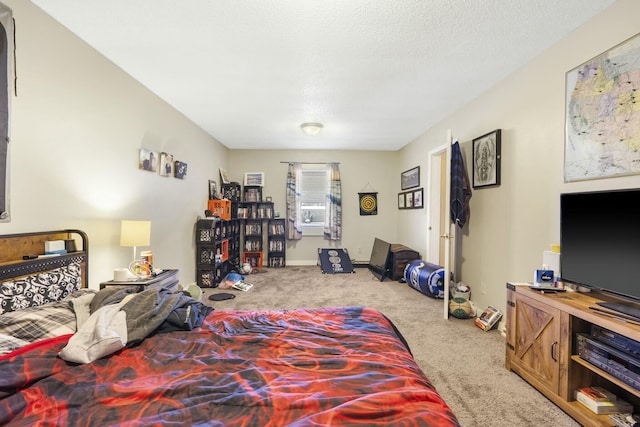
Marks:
<point>314,186</point>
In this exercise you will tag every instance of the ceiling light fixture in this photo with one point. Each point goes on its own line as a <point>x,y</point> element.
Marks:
<point>311,129</point>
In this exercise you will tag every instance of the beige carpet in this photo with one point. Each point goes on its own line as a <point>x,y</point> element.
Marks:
<point>464,363</point>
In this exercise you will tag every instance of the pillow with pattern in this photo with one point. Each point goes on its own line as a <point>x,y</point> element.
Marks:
<point>40,288</point>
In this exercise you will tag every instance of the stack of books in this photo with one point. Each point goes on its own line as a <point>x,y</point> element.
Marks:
<point>602,401</point>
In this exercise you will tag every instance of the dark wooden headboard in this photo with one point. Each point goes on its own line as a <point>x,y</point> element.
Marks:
<point>14,247</point>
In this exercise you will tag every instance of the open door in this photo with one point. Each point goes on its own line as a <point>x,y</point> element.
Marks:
<point>441,232</point>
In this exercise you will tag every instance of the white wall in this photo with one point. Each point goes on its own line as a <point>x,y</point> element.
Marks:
<point>77,124</point>
<point>511,225</point>
<point>360,171</point>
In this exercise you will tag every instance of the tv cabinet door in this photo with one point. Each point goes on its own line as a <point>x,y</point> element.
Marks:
<point>534,347</point>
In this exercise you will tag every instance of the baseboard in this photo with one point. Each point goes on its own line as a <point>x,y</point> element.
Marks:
<point>300,263</point>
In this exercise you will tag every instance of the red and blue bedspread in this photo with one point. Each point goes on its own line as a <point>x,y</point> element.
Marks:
<point>320,367</point>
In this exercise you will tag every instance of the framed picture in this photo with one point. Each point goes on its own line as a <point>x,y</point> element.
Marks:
<point>148,160</point>
<point>224,176</point>
<point>180,169</point>
<point>408,200</point>
<point>213,190</point>
<point>410,178</point>
<point>166,164</point>
<point>486,160</point>
<point>268,199</point>
<point>418,197</point>
<point>602,115</point>
<point>401,201</point>
<point>254,178</point>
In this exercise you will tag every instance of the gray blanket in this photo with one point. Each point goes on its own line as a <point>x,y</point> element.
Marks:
<point>121,316</point>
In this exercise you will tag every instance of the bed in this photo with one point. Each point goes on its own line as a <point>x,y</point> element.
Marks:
<point>333,366</point>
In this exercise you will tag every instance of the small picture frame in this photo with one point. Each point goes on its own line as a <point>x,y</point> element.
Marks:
<point>213,190</point>
<point>408,200</point>
<point>148,160</point>
<point>486,159</point>
<point>268,199</point>
<point>224,176</point>
<point>418,197</point>
<point>166,164</point>
<point>180,169</point>
<point>410,178</point>
<point>401,201</point>
<point>254,178</point>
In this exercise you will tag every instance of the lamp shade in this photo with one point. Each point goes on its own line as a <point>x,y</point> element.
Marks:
<point>311,129</point>
<point>135,233</point>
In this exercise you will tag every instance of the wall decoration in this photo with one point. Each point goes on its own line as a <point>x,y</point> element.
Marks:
<point>401,201</point>
<point>166,164</point>
<point>486,159</point>
<point>368,203</point>
<point>254,178</point>
<point>408,199</point>
<point>224,176</point>
<point>180,169</point>
<point>213,190</point>
<point>418,197</point>
<point>410,178</point>
<point>602,117</point>
<point>148,160</point>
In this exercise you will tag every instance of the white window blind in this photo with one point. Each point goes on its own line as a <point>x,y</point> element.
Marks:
<point>314,186</point>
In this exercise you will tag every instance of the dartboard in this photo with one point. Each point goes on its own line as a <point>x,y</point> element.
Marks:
<point>368,203</point>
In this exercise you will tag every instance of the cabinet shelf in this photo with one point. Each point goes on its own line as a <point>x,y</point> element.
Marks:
<point>542,348</point>
<point>605,375</point>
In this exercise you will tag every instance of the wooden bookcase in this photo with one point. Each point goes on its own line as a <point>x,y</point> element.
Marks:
<point>541,347</point>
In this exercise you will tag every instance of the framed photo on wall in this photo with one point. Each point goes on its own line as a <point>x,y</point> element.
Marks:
<point>486,160</point>
<point>410,178</point>
<point>148,160</point>
<point>166,164</point>
<point>408,199</point>
<point>254,178</point>
<point>418,196</point>
<point>401,201</point>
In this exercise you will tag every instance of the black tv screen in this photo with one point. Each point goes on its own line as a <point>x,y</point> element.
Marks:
<point>380,257</point>
<point>600,241</point>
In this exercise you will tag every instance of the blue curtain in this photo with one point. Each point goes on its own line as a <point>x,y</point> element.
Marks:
<point>294,226</point>
<point>333,205</point>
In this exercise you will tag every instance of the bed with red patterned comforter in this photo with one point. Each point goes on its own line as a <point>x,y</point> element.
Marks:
<point>321,367</point>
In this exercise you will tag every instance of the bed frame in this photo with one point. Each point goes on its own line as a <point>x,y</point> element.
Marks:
<point>14,247</point>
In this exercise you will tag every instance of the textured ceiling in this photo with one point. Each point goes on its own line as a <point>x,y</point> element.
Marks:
<point>377,74</point>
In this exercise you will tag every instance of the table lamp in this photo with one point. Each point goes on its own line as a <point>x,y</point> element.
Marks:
<point>135,233</point>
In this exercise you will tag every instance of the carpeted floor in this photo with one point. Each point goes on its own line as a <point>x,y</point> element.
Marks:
<point>464,363</point>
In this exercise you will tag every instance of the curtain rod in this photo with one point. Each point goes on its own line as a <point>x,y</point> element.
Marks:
<point>315,163</point>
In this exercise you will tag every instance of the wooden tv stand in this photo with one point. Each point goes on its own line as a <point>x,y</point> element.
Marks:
<point>541,347</point>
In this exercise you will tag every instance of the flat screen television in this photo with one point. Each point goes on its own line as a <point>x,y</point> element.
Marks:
<point>380,258</point>
<point>600,245</point>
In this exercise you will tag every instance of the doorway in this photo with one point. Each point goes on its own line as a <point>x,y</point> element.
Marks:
<point>437,227</point>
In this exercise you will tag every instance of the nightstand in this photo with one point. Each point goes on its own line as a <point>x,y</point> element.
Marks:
<point>165,279</point>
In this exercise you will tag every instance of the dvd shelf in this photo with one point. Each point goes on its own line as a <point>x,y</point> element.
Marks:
<point>217,250</point>
<point>559,344</point>
<point>252,193</point>
<point>276,243</point>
